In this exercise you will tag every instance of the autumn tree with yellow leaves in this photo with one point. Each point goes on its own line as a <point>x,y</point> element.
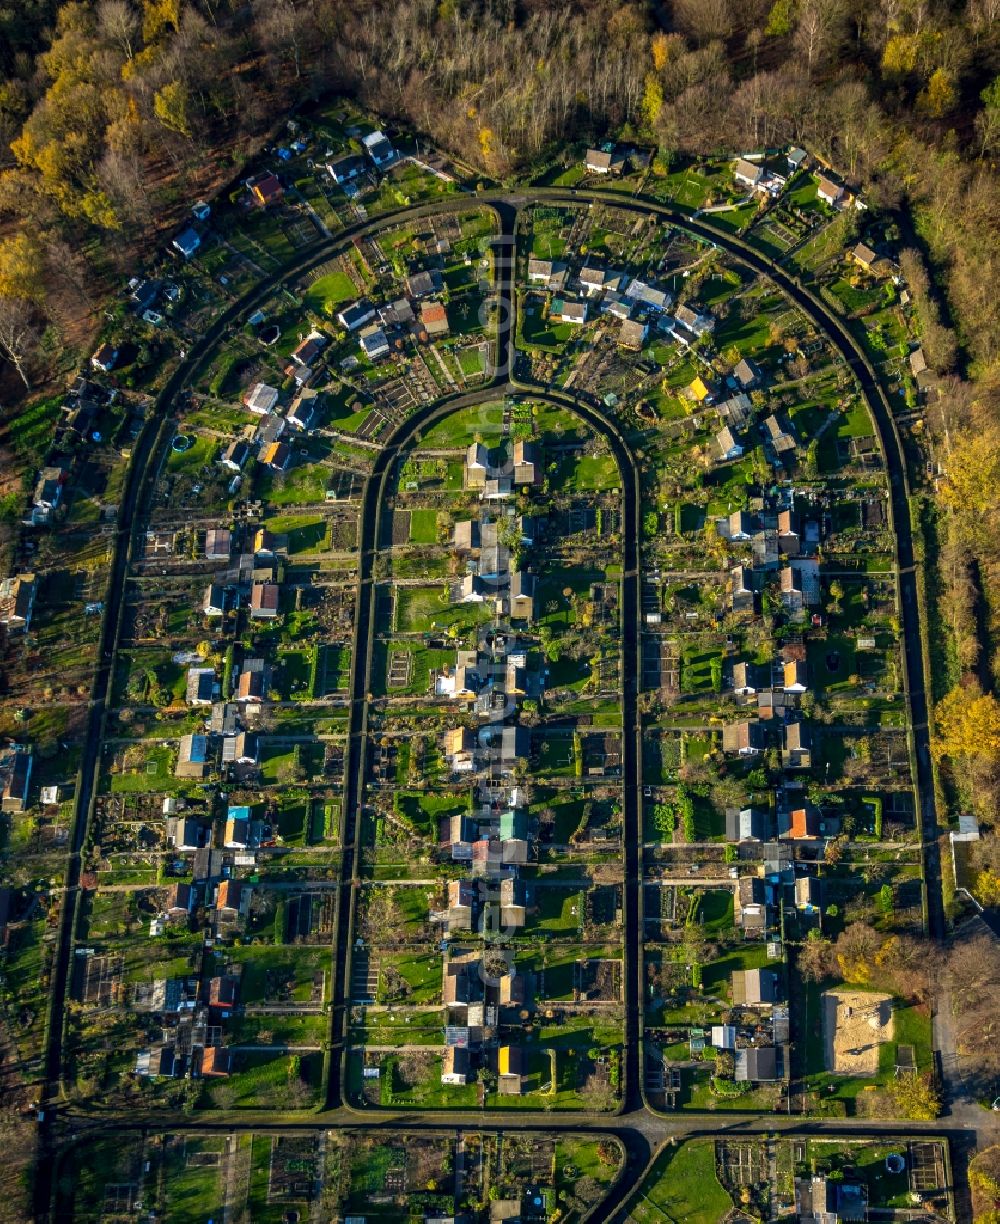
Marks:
<point>21,268</point>
<point>940,96</point>
<point>915,1097</point>
<point>971,488</point>
<point>659,46</point>
<point>904,965</point>
<point>967,726</point>
<point>170,105</point>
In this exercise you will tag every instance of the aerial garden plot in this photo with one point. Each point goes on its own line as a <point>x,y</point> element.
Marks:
<point>209,914</point>
<point>487,965</point>
<point>778,803</point>
<point>391,1175</point>
<point>500,704</point>
<point>777,800</point>
<point>705,1180</point>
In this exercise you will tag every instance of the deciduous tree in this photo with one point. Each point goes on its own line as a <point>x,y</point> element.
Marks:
<point>119,23</point>
<point>967,724</point>
<point>819,31</point>
<point>170,105</point>
<point>988,119</point>
<point>21,268</point>
<point>18,334</point>
<point>159,16</point>
<point>855,950</point>
<point>814,957</point>
<point>915,1097</point>
<point>940,95</point>
<point>652,100</point>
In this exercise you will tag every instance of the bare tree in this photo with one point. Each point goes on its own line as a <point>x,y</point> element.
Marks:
<point>18,334</point>
<point>281,27</point>
<point>67,264</point>
<point>974,978</point>
<point>984,15</point>
<point>704,19</point>
<point>121,175</point>
<point>119,23</point>
<point>814,959</point>
<point>819,31</point>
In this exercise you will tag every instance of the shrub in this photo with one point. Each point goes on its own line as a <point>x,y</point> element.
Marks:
<point>314,660</point>
<point>686,806</point>
<point>730,1088</point>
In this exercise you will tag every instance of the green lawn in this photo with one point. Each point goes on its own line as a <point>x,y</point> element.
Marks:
<point>547,245</point>
<point>325,294</point>
<point>458,429</point>
<point>295,673</point>
<point>701,670</point>
<point>556,423</point>
<point>537,332</point>
<point>420,609</point>
<point>682,1187</point>
<point>910,1026</point>
<point>421,972</point>
<point>686,188</point>
<point>154,773</point>
<point>856,423</point>
<point>567,672</point>
<point>199,455</point>
<point>305,532</point>
<point>587,472</point>
<point>581,1158</point>
<point>715,911</point>
<point>716,974</point>
<point>559,909</point>
<point>471,361</point>
<point>423,809</point>
<point>276,972</point>
<point>465,313</point>
<point>293,814</point>
<point>735,219</point>
<point>697,747</point>
<point>557,590</point>
<point>277,761</point>
<point>192,1187</point>
<point>298,486</point>
<point>261,1080</point>
<point>691,517</point>
<point>423,526</point>
<point>855,297</point>
<point>423,1091</point>
<point>832,662</point>
<point>334,669</point>
<point>804,194</point>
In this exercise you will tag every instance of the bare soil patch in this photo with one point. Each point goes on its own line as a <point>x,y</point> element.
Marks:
<point>855,1024</point>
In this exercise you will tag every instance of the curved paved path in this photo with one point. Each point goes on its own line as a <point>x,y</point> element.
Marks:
<point>354,768</point>
<point>891,444</point>
<point>637,1127</point>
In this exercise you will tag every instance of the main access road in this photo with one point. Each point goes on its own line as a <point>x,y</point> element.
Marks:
<point>138,487</point>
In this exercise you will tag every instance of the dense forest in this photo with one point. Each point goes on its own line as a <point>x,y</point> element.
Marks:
<point>115,114</point>
<point>113,111</point>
